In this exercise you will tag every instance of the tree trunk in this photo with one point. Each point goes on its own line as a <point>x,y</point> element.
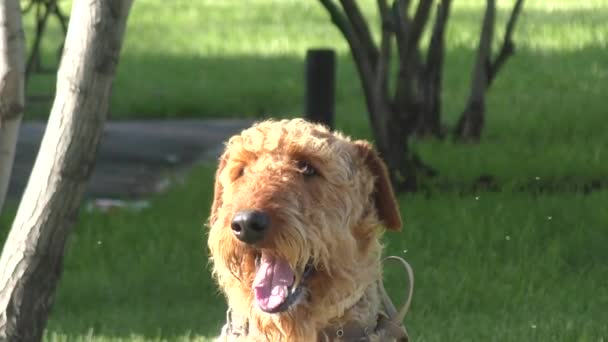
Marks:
<point>31,262</point>
<point>406,169</point>
<point>471,121</point>
<point>508,46</point>
<point>12,95</point>
<point>393,118</point>
<point>485,70</point>
<point>429,124</point>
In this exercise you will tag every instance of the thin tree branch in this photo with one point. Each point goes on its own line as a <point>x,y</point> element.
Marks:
<point>508,46</point>
<point>471,121</point>
<point>362,59</point>
<point>479,82</point>
<point>430,120</point>
<point>437,43</point>
<point>402,24</point>
<point>418,23</point>
<point>63,19</point>
<point>360,28</point>
<point>42,15</point>
<point>408,37</point>
<point>382,67</point>
<point>28,6</point>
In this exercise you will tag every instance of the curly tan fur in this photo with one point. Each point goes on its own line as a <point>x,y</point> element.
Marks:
<point>334,219</point>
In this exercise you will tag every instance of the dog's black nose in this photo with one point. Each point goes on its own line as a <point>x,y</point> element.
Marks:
<point>250,226</point>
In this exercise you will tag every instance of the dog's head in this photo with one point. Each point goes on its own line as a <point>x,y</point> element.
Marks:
<point>296,218</point>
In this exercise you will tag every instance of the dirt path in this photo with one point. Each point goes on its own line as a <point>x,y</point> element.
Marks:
<point>135,156</point>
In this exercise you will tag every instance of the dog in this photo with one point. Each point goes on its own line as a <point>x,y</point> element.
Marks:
<point>294,236</point>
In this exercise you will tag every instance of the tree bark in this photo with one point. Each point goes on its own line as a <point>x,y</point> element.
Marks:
<point>31,262</point>
<point>429,123</point>
<point>43,11</point>
<point>34,62</point>
<point>415,104</point>
<point>393,118</point>
<point>12,94</point>
<point>470,124</point>
<point>471,121</point>
<point>361,57</point>
<point>508,46</point>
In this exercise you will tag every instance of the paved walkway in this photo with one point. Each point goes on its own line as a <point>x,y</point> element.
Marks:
<point>135,156</point>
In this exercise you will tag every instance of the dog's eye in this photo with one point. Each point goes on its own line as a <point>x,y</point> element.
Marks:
<point>240,172</point>
<point>306,169</point>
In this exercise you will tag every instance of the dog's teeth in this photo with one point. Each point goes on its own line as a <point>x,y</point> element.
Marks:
<point>258,259</point>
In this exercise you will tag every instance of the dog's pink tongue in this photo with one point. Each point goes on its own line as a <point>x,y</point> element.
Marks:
<point>272,281</point>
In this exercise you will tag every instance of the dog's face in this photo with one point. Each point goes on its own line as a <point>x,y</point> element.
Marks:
<point>296,218</point>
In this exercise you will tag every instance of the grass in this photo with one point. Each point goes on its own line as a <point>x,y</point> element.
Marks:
<point>490,266</point>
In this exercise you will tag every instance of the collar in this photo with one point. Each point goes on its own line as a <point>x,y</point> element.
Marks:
<point>354,331</point>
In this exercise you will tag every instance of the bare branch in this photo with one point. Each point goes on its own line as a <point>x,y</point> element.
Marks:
<point>437,43</point>
<point>362,59</point>
<point>508,47</point>
<point>28,6</point>
<point>479,83</point>
<point>419,22</point>
<point>513,19</point>
<point>429,123</point>
<point>338,18</point>
<point>361,29</point>
<point>402,24</point>
<point>42,15</point>
<point>63,20</point>
<point>408,37</point>
<point>382,67</point>
<point>471,121</point>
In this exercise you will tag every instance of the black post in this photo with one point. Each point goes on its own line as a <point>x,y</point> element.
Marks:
<point>320,86</point>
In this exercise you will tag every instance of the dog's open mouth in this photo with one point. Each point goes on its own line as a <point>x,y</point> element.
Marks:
<point>275,286</point>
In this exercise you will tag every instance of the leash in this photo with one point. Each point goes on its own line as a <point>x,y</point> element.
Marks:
<point>389,323</point>
<point>393,321</point>
<point>392,312</point>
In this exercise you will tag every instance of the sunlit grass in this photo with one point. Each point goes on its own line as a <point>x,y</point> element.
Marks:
<point>506,266</point>
<point>488,265</point>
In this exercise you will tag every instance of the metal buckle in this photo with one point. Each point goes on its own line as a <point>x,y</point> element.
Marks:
<point>340,332</point>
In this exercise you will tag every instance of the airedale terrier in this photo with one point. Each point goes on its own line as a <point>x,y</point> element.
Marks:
<point>294,236</point>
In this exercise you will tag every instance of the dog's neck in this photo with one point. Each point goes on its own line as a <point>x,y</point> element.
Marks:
<point>346,305</point>
<point>354,317</point>
<point>355,314</point>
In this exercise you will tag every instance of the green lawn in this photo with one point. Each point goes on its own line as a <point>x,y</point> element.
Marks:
<point>490,266</point>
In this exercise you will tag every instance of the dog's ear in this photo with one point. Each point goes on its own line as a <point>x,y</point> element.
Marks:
<point>217,189</point>
<point>384,197</point>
